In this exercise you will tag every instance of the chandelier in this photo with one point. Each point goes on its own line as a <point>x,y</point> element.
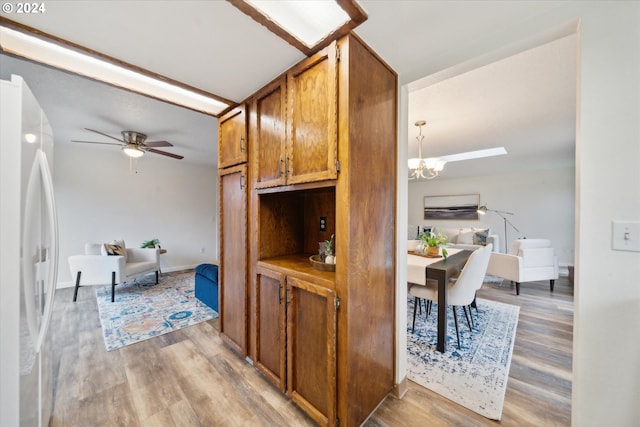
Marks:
<point>427,168</point>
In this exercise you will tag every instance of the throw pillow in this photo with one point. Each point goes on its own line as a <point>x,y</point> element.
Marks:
<point>119,243</point>
<point>114,249</point>
<point>465,237</point>
<point>480,237</point>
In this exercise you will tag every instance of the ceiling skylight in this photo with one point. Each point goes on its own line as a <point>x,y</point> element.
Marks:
<point>59,56</point>
<point>478,154</point>
<point>309,21</point>
<point>309,25</point>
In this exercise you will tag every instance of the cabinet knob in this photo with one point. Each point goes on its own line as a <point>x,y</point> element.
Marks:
<point>242,144</point>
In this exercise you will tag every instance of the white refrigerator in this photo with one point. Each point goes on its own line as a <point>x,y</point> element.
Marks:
<point>28,257</point>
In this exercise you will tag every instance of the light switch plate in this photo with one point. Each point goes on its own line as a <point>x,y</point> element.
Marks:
<point>626,236</point>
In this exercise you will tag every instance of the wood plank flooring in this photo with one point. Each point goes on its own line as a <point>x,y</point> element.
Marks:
<point>190,378</point>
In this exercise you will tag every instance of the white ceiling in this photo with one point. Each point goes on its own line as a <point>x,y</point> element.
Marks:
<point>526,103</point>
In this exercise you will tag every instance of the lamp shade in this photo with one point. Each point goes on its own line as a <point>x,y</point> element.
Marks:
<point>414,163</point>
<point>132,150</point>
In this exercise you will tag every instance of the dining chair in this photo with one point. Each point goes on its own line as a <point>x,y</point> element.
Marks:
<point>462,290</point>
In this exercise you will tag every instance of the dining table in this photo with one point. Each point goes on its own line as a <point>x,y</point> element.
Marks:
<point>421,267</point>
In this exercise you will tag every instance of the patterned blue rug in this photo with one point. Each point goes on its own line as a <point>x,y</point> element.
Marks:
<point>476,375</point>
<point>144,310</point>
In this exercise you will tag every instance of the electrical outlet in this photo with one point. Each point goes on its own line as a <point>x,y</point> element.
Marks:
<point>323,223</point>
<point>201,250</point>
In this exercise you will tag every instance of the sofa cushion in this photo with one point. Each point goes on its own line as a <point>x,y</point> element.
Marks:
<point>133,268</point>
<point>519,244</point>
<point>466,236</point>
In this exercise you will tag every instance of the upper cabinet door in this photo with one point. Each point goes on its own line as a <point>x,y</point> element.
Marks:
<point>232,138</point>
<point>268,133</point>
<point>312,119</point>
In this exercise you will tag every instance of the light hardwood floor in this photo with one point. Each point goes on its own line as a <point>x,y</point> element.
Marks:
<point>190,378</point>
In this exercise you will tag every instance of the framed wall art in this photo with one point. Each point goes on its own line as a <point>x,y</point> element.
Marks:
<point>464,206</point>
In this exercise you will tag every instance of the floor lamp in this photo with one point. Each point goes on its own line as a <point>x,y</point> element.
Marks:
<point>482,210</point>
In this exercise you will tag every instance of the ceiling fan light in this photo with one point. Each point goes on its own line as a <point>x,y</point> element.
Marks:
<point>132,150</point>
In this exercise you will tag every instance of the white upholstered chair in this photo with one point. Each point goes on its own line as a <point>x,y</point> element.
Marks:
<point>462,289</point>
<point>95,267</point>
<point>528,260</point>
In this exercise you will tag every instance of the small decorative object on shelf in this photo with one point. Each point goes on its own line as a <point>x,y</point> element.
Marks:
<point>321,251</point>
<point>431,244</point>
<point>150,243</point>
<point>320,265</point>
<point>330,256</point>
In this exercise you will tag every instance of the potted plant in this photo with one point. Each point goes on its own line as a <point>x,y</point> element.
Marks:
<point>150,243</point>
<point>328,250</point>
<point>432,242</point>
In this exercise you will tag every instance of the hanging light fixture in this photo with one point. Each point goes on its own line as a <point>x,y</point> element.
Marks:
<point>427,168</point>
<point>132,150</point>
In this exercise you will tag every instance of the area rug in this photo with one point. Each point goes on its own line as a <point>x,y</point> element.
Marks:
<point>476,375</point>
<point>144,310</point>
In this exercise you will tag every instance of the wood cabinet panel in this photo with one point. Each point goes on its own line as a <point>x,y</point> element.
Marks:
<point>322,110</point>
<point>271,330</point>
<point>312,118</point>
<point>311,349</point>
<point>232,138</point>
<point>365,270</point>
<point>233,256</point>
<point>268,138</point>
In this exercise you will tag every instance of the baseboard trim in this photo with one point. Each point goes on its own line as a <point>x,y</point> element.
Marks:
<point>400,389</point>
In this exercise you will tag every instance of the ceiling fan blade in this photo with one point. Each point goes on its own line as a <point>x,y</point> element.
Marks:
<point>95,142</point>
<point>158,144</point>
<point>478,154</point>
<point>164,153</point>
<point>104,134</point>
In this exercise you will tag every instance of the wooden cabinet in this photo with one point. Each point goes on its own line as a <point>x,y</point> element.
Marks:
<point>233,256</point>
<point>295,137</point>
<point>306,353</point>
<point>232,138</point>
<point>322,150</point>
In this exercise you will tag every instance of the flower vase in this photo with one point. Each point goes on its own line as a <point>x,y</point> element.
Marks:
<point>433,251</point>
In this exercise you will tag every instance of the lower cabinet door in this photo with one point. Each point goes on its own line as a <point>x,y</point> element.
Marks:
<point>270,326</point>
<point>311,349</point>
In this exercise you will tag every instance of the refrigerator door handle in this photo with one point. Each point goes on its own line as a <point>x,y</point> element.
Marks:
<point>52,253</point>
<point>40,175</point>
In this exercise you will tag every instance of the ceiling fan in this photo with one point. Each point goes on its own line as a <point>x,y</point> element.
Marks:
<point>134,144</point>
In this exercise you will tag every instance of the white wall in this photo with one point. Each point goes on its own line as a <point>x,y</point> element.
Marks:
<point>99,199</point>
<point>606,372</point>
<point>542,203</point>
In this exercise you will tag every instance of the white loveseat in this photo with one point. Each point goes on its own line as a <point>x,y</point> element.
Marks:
<point>96,267</point>
<point>528,260</point>
<point>470,238</point>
